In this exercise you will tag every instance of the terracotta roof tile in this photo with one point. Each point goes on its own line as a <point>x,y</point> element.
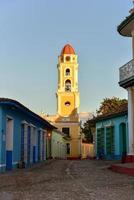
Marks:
<point>67,49</point>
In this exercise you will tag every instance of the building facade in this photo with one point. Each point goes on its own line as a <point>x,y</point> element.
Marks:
<point>23,135</point>
<point>112,135</point>
<point>126,28</point>
<point>55,145</point>
<point>58,145</point>
<point>68,100</point>
<point>87,151</point>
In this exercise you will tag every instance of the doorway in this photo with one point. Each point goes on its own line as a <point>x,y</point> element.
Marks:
<point>22,143</point>
<point>123,141</point>
<point>29,146</point>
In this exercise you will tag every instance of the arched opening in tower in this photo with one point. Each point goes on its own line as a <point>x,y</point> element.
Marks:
<point>68,85</point>
<point>67,72</point>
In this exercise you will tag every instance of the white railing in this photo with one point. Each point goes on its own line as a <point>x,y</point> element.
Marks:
<point>127,71</point>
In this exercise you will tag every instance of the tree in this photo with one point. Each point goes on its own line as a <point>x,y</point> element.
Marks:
<point>87,130</point>
<point>107,106</point>
<point>111,105</point>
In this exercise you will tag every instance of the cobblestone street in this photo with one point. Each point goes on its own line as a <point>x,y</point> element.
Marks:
<point>67,180</point>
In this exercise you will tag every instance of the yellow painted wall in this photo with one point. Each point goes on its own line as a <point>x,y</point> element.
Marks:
<point>67,110</point>
<point>87,150</point>
<point>75,139</point>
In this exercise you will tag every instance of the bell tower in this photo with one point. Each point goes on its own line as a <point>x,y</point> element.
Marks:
<point>67,94</point>
<point>68,100</point>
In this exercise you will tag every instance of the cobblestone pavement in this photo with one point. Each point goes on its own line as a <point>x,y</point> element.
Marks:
<point>67,180</point>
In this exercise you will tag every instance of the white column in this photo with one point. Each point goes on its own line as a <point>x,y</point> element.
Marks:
<point>131,120</point>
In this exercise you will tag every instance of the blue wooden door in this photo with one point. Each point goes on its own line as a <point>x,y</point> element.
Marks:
<point>43,153</point>
<point>39,143</point>
<point>34,154</point>
<point>8,160</point>
<point>22,142</point>
<point>28,145</point>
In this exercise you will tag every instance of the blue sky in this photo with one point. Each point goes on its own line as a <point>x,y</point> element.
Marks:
<point>32,34</point>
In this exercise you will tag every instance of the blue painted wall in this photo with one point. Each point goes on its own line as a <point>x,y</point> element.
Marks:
<point>1,138</point>
<point>115,122</point>
<point>18,116</point>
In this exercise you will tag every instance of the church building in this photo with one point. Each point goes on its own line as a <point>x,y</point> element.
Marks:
<point>68,100</point>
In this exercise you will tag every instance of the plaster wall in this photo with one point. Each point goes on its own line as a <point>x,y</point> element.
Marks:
<point>116,123</point>
<point>18,118</point>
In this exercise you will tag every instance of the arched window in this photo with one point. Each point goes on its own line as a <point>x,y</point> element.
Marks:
<point>68,85</point>
<point>67,72</point>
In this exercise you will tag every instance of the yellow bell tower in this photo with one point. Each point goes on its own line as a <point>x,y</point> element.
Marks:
<point>68,99</point>
<point>67,94</point>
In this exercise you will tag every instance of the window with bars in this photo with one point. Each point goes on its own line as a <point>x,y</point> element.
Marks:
<point>66,130</point>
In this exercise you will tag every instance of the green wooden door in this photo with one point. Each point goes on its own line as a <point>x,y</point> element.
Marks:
<point>100,141</point>
<point>123,142</point>
<point>110,140</point>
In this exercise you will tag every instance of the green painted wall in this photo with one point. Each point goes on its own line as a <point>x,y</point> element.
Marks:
<point>58,145</point>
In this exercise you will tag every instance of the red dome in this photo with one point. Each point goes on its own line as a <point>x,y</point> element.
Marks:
<point>67,49</point>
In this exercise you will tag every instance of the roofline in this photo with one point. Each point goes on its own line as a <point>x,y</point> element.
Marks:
<point>59,132</point>
<point>124,23</point>
<point>127,82</point>
<point>114,115</point>
<point>18,105</point>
